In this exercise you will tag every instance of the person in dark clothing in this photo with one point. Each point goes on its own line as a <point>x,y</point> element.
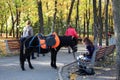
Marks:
<point>89,46</point>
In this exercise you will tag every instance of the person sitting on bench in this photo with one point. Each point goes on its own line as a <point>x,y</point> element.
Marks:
<point>90,48</point>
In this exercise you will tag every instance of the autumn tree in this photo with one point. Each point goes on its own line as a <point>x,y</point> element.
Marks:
<point>70,12</point>
<point>95,23</point>
<point>40,13</point>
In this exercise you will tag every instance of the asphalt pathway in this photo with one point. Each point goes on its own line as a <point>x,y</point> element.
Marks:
<point>10,68</point>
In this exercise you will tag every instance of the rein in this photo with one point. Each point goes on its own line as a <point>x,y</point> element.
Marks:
<point>31,42</point>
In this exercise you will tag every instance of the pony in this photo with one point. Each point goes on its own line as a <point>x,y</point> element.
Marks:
<point>32,44</point>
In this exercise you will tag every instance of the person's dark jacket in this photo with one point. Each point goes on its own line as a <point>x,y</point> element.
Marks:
<point>90,50</point>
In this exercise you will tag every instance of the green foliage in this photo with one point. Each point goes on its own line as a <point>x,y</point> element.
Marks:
<point>29,10</point>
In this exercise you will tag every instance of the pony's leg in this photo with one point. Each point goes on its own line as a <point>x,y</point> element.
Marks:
<point>30,65</point>
<point>29,62</point>
<point>53,59</point>
<point>38,51</point>
<point>37,54</point>
<point>22,60</point>
<point>69,50</point>
<point>22,65</point>
<point>28,59</point>
<point>22,57</point>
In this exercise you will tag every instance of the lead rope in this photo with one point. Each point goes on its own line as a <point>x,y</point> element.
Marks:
<point>31,41</point>
<point>24,49</point>
<point>38,44</point>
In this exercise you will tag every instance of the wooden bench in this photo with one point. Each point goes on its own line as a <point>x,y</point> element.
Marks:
<point>12,45</point>
<point>104,55</point>
<point>100,53</point>
<point>110,50</point>
<point>103,52</point>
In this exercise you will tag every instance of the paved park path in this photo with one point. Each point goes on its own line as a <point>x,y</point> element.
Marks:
<point>10,68</point>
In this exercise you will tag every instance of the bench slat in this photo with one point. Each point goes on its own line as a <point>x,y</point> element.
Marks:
<point>100,53</point>
<point>13,45</point>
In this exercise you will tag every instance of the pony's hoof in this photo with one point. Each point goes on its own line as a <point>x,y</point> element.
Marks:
<point>31,67</point>
<point>23,69</point>
<point>43,54</point>
<point>55,67</point>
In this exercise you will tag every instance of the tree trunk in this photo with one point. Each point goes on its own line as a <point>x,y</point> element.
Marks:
<point>88,19</point>
<point>70,12</point>
<point>100,24</point>
<point>13,22</point>
<point>40,14</point>
<point>48,20</point>
<point>1,30</point>
<point>54,17</point>
<point>95,23</point>
<point>106,21</point>
<point>6,26</point>
<point>84,29</point>
<point>77,15</point>
<point>17,21</point>
<point>116,13</point>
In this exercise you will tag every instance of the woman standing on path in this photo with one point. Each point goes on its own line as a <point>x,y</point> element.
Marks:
<point>27,32</point>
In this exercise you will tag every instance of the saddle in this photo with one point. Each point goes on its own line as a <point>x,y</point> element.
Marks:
<point>49,41</point>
